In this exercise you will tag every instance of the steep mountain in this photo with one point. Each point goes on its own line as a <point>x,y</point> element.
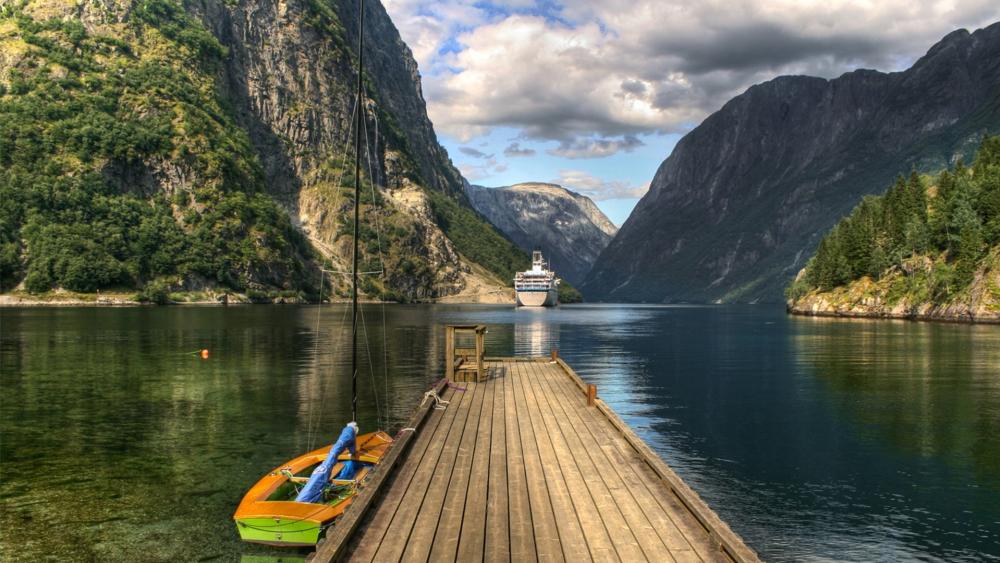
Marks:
<point>928,249</point>
<point>203,144</point>
<point>744,198</point>
<point>565,225</point>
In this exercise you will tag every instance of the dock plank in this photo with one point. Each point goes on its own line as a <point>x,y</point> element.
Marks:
<point>519,468</point>
<point>400,526</point>
<point>608,495</point>
<point>497,546</point>
<point>425,444</point>
<point>472,540</point>
<point>520,517</point>
<point>424,518</point>
<point>449,526</point>
<point>659,537</point>
<point>572,536</point>
<point>548,541</point>
<point>678,529</point>
<point>593,514</point>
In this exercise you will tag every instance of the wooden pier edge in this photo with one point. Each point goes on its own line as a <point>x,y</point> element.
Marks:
<point>331,547</point>
<point>727,540</point>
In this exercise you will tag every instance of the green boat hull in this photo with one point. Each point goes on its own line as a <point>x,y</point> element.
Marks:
<point>269,531</point>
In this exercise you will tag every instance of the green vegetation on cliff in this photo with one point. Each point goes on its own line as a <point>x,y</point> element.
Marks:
<point>94,127</point>
<point>476,238</point>
<point>128,161</point>
<point>926,238</point>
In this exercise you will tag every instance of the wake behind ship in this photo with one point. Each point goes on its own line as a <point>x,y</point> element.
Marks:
<point>537,287</point>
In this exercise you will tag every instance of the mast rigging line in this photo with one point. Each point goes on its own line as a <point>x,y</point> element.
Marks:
<point>381,260</point>
<point>315,417</point>
<point>343,273</point>
<point>357,213</point>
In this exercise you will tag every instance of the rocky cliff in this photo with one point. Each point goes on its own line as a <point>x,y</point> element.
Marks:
<point>744,198</point>
<point>238,117</point>
<point>566,226</point>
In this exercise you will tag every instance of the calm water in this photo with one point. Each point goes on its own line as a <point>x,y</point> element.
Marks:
<point>814,439</point>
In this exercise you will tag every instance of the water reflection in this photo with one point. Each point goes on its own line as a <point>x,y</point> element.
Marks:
<point>915,387</point>
<point>533,336</point>
<point>812,438</point>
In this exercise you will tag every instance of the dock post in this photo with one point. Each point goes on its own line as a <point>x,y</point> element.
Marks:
<point>591,394</point>
<point>449,353</point>
<point>555,354</point>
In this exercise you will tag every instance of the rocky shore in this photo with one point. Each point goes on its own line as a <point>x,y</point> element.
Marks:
<point>867,298</point>
<point>473,295</point>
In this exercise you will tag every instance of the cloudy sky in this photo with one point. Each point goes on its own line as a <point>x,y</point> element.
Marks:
<point>593,94</point>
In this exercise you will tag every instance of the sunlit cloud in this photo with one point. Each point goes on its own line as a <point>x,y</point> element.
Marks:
<point>598,189</point>
<point>595,71</point>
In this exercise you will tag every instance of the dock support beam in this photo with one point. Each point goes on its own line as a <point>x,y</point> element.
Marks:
<point>591,394</point>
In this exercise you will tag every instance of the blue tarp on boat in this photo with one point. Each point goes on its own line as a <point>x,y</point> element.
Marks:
<point>349,470</point>
<point>313,491</point>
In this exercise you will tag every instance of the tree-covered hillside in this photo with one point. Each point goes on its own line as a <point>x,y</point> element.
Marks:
<point>86,120</point>
<point>927,240</point>
<point>171,145</point>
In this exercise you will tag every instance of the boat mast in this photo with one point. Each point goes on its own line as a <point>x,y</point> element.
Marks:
<point>357,215</point>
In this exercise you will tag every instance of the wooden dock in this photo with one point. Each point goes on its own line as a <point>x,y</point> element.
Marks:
<point>522,467</point>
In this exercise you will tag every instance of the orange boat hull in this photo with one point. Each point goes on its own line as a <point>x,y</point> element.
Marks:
<point>290,523</point>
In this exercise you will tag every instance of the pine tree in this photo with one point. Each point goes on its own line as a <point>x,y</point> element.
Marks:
<point>987,179</point>
<point>967,238</point>
<point>941,207</point>
<point>961,222</point>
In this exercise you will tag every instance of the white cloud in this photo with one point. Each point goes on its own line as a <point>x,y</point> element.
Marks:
<point>599,189</point>
<point>594,71</point>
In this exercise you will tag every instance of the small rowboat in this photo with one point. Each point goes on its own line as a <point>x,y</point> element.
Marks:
<point>269,513</point>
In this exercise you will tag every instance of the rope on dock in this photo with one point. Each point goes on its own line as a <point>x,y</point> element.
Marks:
<point>439,403</point>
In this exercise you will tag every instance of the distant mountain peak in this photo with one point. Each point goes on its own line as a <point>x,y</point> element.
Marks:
<point>568,227</point>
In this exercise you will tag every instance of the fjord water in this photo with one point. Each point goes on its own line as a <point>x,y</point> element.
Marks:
<point>814,439</point>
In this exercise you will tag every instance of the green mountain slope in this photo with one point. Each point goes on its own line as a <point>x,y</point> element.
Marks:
<point>928,248</point>
<point>155,143</point>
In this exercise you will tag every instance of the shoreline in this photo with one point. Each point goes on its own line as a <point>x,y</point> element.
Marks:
<point>125,300</point>
<point>888,315</point>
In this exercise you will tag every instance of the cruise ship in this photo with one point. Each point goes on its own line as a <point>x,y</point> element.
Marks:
<point>537,287</point>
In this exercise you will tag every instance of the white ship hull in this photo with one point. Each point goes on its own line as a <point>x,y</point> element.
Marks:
<point>544,298</point>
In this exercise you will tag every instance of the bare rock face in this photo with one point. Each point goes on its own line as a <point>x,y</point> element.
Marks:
<point>566,226</point>
<point>291,73</point>
<point>745,197</point>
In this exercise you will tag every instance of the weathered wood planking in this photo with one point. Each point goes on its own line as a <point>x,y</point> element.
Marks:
<point>718,530</point>
<point>519,468</point>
